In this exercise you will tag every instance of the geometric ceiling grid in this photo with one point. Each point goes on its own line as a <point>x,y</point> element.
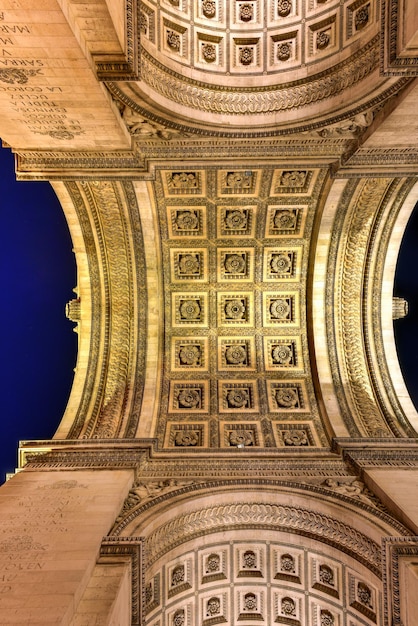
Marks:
<point>235,247</point>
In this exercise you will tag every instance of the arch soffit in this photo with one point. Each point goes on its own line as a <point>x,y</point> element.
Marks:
<point>316,512</point>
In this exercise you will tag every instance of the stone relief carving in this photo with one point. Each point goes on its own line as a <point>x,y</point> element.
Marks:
<point>326,575</point>
<point>280,309</point>
<point>209,8</point>
<point>236,354</point>
<point>190,355</point>
<point>362,16</point>
<point>213,607</point>
<point>283,354</point>
<point>241,437</point>
<point>288,607</point>
<point>356,489</point>
<point>287,563</point>
<point>351,127</point>
<point>246,12</point>
<point>364,595</point>
<point>182,180</point>
<point>144,492</point>
<point>21,543</point>
<point>322,40</point>
<point>213,564</point>
<point>235,309</point>
<point>285,219</point>
<point>173,40</point>
<point>17,75</point>
<point>246,55</point>
<point>62,132</point>
<point>140,126</point>
<point>179,618</point>
<point>209,52</point>
<point>295,438</point>
<point>186,438</point>
<point>327,618</point>
<point>287,397</point>
<point>284,7</point>
<point>284,51</point>
<point>178,575</point>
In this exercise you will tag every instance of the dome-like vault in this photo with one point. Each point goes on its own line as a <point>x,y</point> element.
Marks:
<point>254,66</point>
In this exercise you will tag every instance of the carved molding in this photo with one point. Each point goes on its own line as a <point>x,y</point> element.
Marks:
<point>354,224</point>
<point>126,66</point>
<point>396,59</point>
<point>112,548</point>
<point>254,101</point>
<point>373,453</point>
<point>117,353</point>
<point>397,554</point>
<point>260,515</point>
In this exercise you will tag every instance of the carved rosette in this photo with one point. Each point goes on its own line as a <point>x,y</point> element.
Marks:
<point>284,7</point>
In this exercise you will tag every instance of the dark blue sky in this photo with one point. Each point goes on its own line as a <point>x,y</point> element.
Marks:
<point>37,342</point>
<point>406,286</point>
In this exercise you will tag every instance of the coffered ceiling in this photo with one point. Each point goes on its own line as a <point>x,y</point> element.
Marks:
<point>235,248</point>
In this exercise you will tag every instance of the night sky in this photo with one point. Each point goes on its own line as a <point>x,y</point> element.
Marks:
<point>38,345</point>
<point>406,286</point>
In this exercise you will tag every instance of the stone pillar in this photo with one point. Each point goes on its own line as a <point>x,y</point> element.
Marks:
<point>397,488</point>
<point>52,525</point>
<point>389,468</point>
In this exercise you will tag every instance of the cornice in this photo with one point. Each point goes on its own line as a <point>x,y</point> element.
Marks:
<point>378,453</point>
<point>380,162</point>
